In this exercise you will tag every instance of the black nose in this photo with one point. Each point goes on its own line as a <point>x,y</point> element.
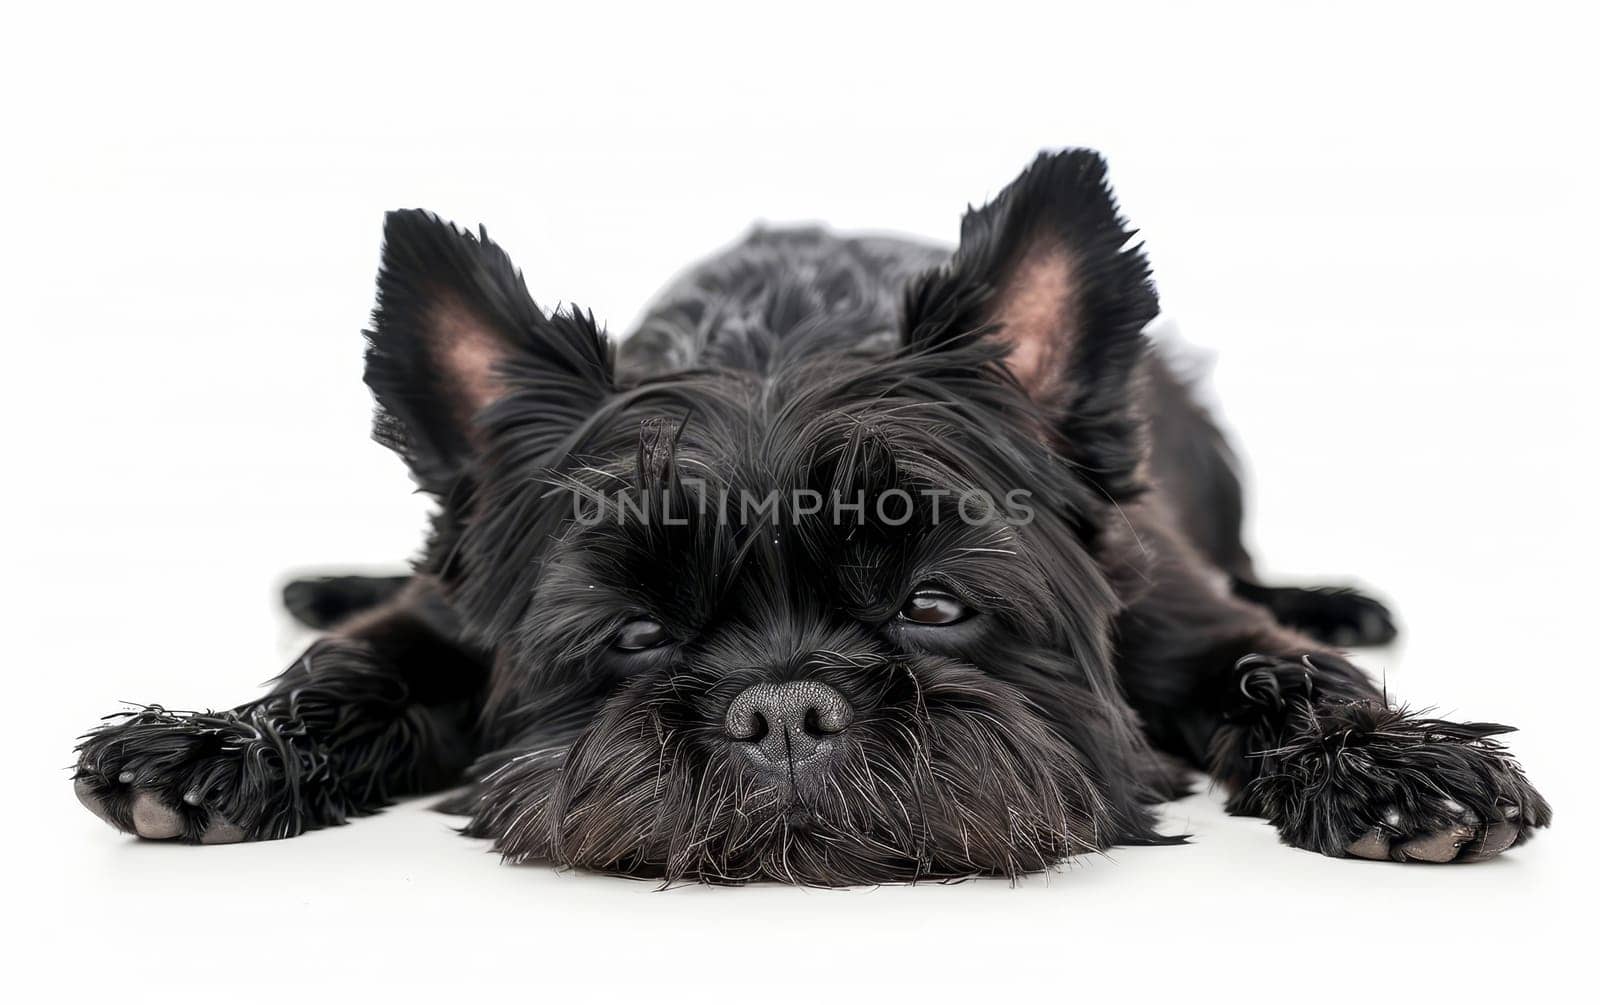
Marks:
<point>784,726</point>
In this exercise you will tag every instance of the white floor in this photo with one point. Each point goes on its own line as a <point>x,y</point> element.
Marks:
<point>400,903</point>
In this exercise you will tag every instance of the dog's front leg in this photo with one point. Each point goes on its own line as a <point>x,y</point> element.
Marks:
<point>1300,736</point>
<point>384,707</point>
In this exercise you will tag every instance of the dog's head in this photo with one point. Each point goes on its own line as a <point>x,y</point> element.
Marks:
<point>828,612</point>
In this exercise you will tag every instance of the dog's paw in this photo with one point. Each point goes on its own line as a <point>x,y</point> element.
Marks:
<point>1366,781</point>
<point>200,778</point>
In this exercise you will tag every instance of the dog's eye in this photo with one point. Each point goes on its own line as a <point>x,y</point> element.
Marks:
<point>640,633</point>
<point>933,607</point>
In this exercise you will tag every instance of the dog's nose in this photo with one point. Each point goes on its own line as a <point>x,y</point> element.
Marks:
<point>785,726</point>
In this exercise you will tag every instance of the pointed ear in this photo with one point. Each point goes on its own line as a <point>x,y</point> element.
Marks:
<point>454,333</point>
<point>1047,272</point>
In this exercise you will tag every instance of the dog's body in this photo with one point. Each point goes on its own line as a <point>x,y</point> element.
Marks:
<point>665,680</point>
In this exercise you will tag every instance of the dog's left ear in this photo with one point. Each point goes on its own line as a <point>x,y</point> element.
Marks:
<point>1047,270</point>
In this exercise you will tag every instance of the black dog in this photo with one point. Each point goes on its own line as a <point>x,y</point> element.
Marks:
<point>857,563</point>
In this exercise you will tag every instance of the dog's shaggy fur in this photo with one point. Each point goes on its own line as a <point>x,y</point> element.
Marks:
<point>696,690</point>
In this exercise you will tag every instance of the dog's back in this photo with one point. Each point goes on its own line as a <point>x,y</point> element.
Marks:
<point>775,292</point>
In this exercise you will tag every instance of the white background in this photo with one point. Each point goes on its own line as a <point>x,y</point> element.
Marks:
<point>1381,218</point>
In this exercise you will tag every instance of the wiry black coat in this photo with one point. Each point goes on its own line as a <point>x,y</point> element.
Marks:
<point>1111,638</point>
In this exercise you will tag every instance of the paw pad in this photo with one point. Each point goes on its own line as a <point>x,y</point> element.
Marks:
<point>1466,840</point>
<point>147,815</point>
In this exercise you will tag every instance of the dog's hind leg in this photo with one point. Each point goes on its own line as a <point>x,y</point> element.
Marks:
<point>323,602</point>
<point>385,707</point>
<point>1196,474</point>
<point>1333,615</point>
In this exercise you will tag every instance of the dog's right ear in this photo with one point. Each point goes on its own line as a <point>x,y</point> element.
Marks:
<point>456,341</point>
<point>1049,273</point>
